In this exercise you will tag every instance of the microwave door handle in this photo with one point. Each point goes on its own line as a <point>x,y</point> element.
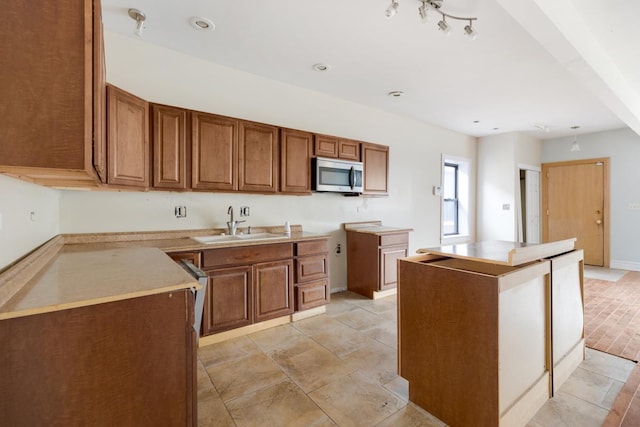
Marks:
<point>352,177</point>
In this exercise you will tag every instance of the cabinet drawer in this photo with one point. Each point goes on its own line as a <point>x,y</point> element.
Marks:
<point>394,239</point>
<point>311,268</point>
<point>246,255</point>
<point>194,257</point>
<point>312,295</point>
<point>312,247</point>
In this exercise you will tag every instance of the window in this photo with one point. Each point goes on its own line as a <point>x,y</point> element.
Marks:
<point>455,199</point>
<point>450,200</point>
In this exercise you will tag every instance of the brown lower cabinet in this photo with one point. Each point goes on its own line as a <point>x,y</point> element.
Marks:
<point>124,363</point>
<point>247,284</point>
<point>312,274</point>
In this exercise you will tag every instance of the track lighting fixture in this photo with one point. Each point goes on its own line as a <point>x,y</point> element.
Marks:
<point>423,10</point>
<point>139,17</point>
<point>392,9</point>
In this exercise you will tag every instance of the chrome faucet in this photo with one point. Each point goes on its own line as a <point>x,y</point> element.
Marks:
<point>232,225</point>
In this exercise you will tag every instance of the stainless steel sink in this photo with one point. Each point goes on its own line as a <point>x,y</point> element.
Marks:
<point>207,240</point>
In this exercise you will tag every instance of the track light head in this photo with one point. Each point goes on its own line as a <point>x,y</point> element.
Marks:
<point>422,10</point>
<point>470,31</point>
<point>392,9</point>
<point>444,27</point>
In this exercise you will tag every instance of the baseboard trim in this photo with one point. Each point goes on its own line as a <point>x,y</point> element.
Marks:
<point>624,265</point>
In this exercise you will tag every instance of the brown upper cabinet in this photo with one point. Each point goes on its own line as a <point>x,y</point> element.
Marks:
<point>214,148</point>
<point>49,118</point>
<point>295,161</point>
<point>169,135</point>
<point>337,148</point>
<point>127,139</point>
<point>376,169</point>
<point>257,157</point>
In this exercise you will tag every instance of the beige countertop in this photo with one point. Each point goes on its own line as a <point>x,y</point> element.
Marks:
<point>93,276</point>
<point>374,227</point>
<point>502,252</point>
<point>83,269</point>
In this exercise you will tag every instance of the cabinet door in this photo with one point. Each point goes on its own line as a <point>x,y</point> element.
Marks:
<point>376,168</point>
<point>326,146</point>
<point>228,301</point>
<point>273,289</point>
<point>295,161</point>
<point>258,158</point>
<point>169,147</point>
<point>127,139</point>
<point>214,164</point>
<point>349,150</point>
<point>99,98</point>
<point>389,265</point>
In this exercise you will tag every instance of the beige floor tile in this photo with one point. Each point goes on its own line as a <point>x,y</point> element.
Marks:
<point>386,332</point>
<point>309,364</point>
<point>227,350</point>
<point>359,319</point>
<point>282,404</point>
<point>590,386</point>
<point>356,400</point>
<point>378,306</point>
<point>317,324</point>
<point>274,338</point>
<point>411,416</point>
<point>377,361</point>
<point>568,411</point>
<point>399,386</point>
<point>211,410</point>
<point>237,377</point>
<point>607,364</point>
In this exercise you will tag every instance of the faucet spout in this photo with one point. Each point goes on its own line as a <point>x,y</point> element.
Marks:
<point>232,225</point>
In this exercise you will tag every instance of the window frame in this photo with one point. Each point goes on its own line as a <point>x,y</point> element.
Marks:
<point>455,199</point>
<point>464,211</point>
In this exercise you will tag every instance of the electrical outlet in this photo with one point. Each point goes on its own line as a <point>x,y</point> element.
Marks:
<point>32,216</point>
<point>181,211</point>
<point>244,211</point>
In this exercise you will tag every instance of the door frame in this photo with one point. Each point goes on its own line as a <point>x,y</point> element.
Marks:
<point>606,190</point>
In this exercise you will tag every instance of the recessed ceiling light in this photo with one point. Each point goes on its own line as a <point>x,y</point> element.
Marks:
<point>476,121</point>
<point>202,24</point>
<point>321,67</point>
<point>396,93</point>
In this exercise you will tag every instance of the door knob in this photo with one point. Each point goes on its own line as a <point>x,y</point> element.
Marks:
<point>598,221</point>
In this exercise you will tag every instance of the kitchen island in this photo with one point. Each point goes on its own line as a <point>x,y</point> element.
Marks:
<point>488,331</point>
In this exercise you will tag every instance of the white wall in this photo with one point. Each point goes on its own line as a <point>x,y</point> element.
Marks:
<point>20,232</point>
<point>164,76</point>
<point>498,180</point>
<point>622,146</point>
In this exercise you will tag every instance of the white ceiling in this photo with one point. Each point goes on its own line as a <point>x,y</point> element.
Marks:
<point>556,63</point>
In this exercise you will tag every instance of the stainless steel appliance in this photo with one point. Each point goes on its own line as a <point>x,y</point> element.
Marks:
<point>202,278</point>
<point>339,176</point>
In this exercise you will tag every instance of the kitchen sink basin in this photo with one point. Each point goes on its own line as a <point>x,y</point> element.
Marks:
<point>260,236</point>
<point>238,237</point>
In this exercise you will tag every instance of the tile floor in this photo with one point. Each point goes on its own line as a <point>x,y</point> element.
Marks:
<point>339,368</point>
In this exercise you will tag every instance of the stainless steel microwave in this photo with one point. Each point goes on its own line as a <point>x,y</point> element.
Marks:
<point>339,176</point>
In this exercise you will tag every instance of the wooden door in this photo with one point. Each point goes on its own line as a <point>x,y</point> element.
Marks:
<point>127,138</point>
<point>326,146</point>
<point>99,97</point>
<point>273,289</point>
<point>228,302</point>
<point>575,203</point>
<point>169,147</point>
<point>349,150</point>
<point>257,158</point>
<point>295,161</point>
<point>214,164</point>
<point>376,168</point>
<point>389,257</point>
